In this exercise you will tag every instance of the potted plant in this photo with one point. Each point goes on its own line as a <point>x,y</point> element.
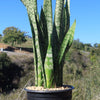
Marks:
<point>52,39</point>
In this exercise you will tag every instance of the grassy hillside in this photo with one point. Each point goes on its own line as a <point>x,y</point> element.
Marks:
<point>81,69</point>
<point>27,44</point>
<point>24,47</point>
<point>20,71</point>
<point>83,73</point>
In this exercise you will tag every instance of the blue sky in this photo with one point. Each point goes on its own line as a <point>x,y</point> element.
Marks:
<point>86,13</point>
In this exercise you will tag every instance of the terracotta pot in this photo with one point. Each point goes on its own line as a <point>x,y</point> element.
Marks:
<point>50,95</point>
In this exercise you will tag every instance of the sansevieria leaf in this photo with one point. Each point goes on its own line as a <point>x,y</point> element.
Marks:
<point>58,15</point>
<point>43,27</point>
<point>67,41</point>
<point>31,9</point>
<point>48,65</point>
<point>67,16</point>
<point>35,53</point>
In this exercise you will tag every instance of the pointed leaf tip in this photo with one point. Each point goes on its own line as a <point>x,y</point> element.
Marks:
<point>67,41</point>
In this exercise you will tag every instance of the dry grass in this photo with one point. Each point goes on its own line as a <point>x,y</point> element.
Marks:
<point>2,45</point>
<point>27,44</point>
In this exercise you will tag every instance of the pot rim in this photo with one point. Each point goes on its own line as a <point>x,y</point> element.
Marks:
<point>51,91</point>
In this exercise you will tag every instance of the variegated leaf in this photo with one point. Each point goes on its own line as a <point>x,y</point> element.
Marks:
<point>67,41</point>
<point>30,4</point>
<point>47,8</point>
<point>58,15</point>
<point>67,16</point>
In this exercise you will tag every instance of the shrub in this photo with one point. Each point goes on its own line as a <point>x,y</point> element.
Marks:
<point>9,73</point>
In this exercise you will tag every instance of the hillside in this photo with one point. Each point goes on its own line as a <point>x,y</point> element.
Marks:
<point>81,69</point>
<point>19,71</point>
<point>2,45</point>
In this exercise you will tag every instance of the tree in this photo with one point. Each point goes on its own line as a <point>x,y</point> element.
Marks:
<point>13,36</point>
<point>99,46</point>
<point>95,45</point>
<point>78,45</point>
<point>0,37</point>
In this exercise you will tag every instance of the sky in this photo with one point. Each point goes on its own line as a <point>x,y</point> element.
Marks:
<point>86,13</point>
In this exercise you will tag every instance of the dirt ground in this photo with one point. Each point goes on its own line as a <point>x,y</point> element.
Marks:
<point>14,49</point>
<point>3,46</point>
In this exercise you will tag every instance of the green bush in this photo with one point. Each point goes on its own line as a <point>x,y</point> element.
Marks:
<point>10,73</point>
<point>4,60</point>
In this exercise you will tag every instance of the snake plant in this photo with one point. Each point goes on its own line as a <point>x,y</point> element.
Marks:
<point>52,39</point>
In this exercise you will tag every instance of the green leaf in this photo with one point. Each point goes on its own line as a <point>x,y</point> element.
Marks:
<point>67,16</point>
<point>67,41</point>
<point>30,3</point>
<point>49,70</point>
<point>31,9</point>
<point>58,15</point>
<point>48,65</point>
<point>44,33</point>
<point>62,30</point>
<point>43,25</point>
<point>35,53</point>
<point>47,8</point>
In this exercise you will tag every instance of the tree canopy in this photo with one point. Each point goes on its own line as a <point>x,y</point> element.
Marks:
<point>0,34</point>
<point>13,36</point>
